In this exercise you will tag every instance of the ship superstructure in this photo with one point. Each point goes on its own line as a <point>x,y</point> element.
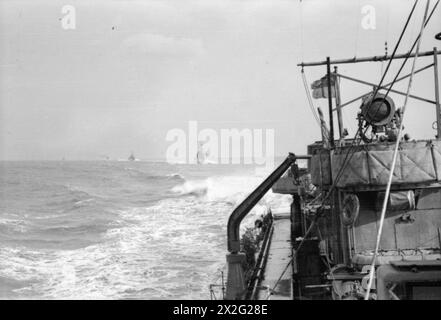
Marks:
<point>365,219</point>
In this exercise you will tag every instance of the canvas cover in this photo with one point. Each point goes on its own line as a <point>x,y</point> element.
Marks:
<point>320,168</point>
<point>417,162</point>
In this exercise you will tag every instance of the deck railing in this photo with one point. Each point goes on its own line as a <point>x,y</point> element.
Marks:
<point>236,286</point>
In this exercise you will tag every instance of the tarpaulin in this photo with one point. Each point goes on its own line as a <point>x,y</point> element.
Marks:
<point>417,162</point>
<point>320,168</point>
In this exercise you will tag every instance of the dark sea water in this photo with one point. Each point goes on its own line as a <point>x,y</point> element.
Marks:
<point>117,230</point>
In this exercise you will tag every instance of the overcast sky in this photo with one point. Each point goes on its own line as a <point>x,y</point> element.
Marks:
<point>132,70</point>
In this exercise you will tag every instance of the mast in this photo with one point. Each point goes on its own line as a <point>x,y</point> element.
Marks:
<point>338,103</point>
<point>366,59</point>
<point>331,116</point>
<point>438,108</point>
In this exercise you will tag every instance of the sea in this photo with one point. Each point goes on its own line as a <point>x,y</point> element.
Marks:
<point>119,229</point>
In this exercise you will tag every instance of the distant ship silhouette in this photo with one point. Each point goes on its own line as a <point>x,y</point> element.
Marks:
<point>203,154</point>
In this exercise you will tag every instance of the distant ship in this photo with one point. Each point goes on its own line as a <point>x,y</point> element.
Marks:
<point>130,158</point>
<point>202,156</point>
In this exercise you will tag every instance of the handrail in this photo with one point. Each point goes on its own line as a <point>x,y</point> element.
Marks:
<point>245,207</point>
<point>261,262</point>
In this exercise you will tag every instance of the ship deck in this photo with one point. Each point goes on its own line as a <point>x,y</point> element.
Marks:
<point>276,277</point>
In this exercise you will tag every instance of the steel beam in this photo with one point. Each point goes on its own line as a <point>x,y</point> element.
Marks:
<point>331,115</point>
<point>384,87</point>
<point>366,59</point>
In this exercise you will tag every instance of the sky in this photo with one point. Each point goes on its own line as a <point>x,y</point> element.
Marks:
<point>131,71</point>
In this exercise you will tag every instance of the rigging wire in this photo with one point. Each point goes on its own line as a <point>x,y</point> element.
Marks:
<point>412,32</point>
<point>394,160</point>
<point>413,46</point>
<point>291,261</point>
<point>292,258</point>
<point>339,174</point>
<point>377,88</point>
<point>309,98</point>
<point>346,161</point>
<point>388,21</point>
<point>405,60</point>
<point>357,23</point>
<point>387,34</point>
<point>395,50</point>
<point>356,143</point>
<point>349,153</point>
<point>301,28</point>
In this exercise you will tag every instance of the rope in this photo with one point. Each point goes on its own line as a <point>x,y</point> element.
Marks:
<point>391,85</point>
<point>357,24</point>
<point>349,154</point>
<point>310,102</point>
<point>391,174</point>
<point>214,283</point>
<point>387,27</point>
<point>292,259</point>
<point>359,141</point>
<point>356,143</point>
<point>413,46</point>
<point>301,27</point>
<point>396,48</point>
<point>328,264</point>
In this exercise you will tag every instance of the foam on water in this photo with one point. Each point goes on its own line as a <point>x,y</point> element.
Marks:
<point>172,248</point>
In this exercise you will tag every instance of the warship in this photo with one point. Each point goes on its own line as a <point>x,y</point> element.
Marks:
<point>365,218</point>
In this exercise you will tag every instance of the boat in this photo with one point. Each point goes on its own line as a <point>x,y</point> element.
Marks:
<point>203,155</point>
<point>200,155</point>
<point>365,217</point>
<point>131,157</point>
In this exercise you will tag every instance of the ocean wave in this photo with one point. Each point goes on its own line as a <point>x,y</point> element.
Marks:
<point>87,228</point>
<point>148,176</point>
<point>12,225</point>
<point>170,177</point>
<point>70,198</point>
<point>172,246</point>
<point>82,203</point>
<point>232,189</point>
<point>175,176</point>
<point>111,246</point>
<point>194,188</point>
